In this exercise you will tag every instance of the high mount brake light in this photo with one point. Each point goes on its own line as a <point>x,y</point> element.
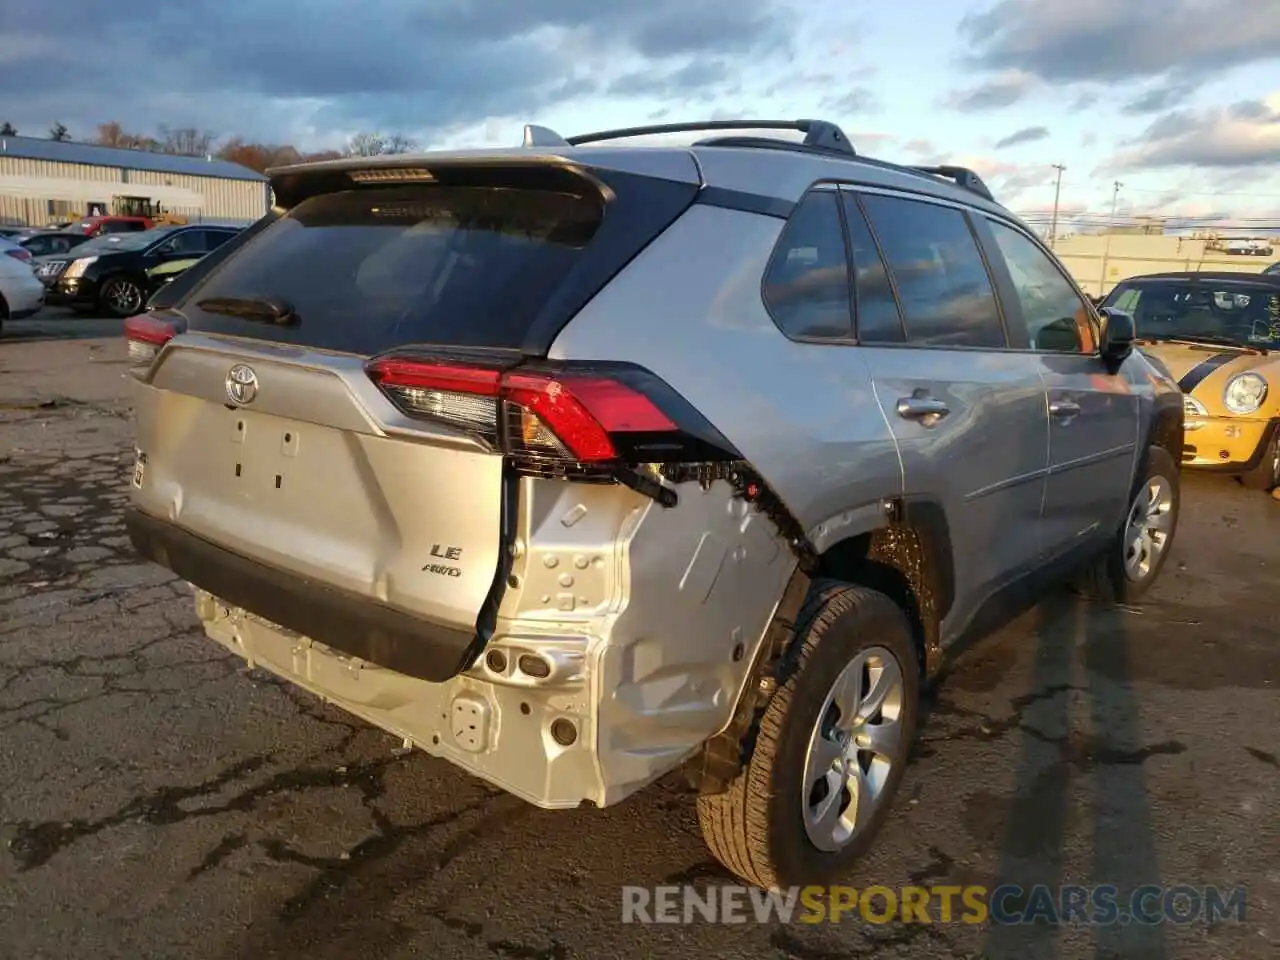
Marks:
<point>558,420</point>
<point>146,336</point>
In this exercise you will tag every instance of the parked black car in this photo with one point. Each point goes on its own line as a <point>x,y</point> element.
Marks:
<point>109,273</point>
<point>52,241</point>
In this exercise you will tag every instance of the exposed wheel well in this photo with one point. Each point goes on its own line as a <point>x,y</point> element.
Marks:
<point>907,563</point>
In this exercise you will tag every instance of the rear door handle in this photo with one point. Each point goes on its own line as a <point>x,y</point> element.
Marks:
<point>1064,409</point>
<point>928,410</point>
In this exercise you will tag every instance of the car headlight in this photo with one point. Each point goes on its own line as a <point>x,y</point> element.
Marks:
<point>1244,393</point>
<point>78,267</point>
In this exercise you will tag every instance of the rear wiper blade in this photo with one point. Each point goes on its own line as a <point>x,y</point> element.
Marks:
<point>261,309</point>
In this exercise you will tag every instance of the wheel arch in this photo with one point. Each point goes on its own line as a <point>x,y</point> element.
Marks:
<point>910,560</point>
<point>1165,429</point>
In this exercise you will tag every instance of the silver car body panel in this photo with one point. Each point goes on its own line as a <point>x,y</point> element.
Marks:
<point>645,621</point>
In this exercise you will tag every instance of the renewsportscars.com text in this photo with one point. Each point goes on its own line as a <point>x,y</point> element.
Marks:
<point>1098,905</point>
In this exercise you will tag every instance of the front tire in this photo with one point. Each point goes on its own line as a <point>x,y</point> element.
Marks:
<point>1139,550</point>
<point>831,749</point>
<point>122,297</point>
<point>1266,475</point>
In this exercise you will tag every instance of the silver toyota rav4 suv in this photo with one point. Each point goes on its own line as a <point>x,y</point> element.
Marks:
<point>581,462</point>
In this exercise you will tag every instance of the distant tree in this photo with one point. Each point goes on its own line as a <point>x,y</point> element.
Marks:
<point>7,129</point>
<point>263,156</point>
<point>378,144</point>
<point>186,141</point>
<point>59,132</point>
<point>112,134</point>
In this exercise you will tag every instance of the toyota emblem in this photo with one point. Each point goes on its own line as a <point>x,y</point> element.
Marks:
<point>242,384</point>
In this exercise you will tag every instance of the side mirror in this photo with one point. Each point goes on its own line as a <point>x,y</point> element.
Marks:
<point>1117,337</point>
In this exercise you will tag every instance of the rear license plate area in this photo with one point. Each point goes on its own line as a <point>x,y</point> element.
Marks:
<point>264,451</point>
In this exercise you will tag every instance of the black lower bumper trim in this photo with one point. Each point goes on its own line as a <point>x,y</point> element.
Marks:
<point>347,622</point>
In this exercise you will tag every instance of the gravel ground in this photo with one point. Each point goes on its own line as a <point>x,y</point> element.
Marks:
<point>160,801</point>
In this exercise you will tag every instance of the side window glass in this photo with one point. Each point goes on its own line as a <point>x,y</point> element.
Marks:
<point>189,242</point>
<point>806,286</point>
<point>946,296</point>
<point>216,238</point>
<point>1057,318</point>
<point>876,310</point>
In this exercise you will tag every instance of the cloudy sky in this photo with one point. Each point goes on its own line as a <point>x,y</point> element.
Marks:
<point>1179,100</point>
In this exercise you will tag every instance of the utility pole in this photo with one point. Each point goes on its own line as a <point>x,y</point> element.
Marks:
<point>1106,247</point>
<point>1057,191</point>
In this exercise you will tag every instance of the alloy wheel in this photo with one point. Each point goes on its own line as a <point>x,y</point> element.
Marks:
<point>854,745</point>
<point>1148,528</point>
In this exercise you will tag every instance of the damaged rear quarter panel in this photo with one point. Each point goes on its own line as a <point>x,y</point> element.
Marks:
<point>670,603</point>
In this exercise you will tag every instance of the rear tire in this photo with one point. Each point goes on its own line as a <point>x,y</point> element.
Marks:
<point>763,828</point>
<point>4,314</point>
<point>1266,475</point>
<point>1140,548</point>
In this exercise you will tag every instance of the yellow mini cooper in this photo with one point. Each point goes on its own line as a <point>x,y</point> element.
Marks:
<point>1219,336</point>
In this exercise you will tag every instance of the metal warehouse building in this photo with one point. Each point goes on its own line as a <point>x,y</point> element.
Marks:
<point>42,181</point>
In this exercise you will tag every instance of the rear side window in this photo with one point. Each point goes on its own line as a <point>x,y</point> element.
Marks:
<point>946,295</point>
<point>366,270</point>
<point>806,286</point>
<point>877,309</point>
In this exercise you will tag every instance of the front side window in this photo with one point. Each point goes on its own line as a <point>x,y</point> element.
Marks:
<point>806,286</point>
<point>190,242</point>
<point>1056,316</point>
<point>946,295</point>
<point>1197,311</point>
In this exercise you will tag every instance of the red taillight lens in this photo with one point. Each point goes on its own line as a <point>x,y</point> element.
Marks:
<point>145,336</point>
<point>20,253</point>
<point>531,415</point>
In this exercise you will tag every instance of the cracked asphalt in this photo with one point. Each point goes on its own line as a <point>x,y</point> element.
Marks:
<point>160,801</point>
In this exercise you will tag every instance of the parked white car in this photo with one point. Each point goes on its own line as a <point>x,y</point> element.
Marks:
<point>21,292</point>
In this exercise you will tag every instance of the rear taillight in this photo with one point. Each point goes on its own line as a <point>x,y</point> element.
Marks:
<point>563,420</point>
<point>145,337</point>
<point>20,253</point>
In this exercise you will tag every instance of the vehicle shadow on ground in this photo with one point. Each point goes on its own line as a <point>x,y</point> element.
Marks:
<point>1053,757</point>
<point>359,906</point>
<point>56,324</point>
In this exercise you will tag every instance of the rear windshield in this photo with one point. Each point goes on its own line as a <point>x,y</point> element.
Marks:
<point>364,270</point>
<point>1236,312</point>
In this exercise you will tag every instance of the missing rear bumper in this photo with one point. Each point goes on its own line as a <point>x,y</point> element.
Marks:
<point>353,625</point>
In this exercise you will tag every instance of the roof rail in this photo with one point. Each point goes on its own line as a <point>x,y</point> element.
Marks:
<point>818,133</point>
<point>961,177</point>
